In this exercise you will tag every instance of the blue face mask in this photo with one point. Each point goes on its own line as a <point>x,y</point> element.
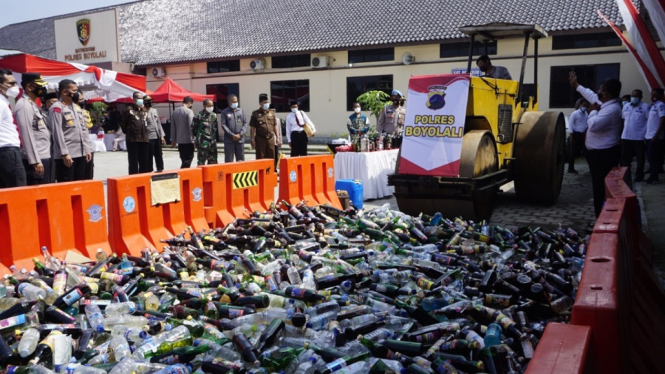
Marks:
<point>635,100</point>
<point>266,106</point>
<point>583,108</point>
<point>234,105</point>
<point>138,102</point>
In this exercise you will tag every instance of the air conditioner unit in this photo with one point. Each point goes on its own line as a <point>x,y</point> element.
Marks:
<point>320,62</point>
<point>158,72</point>
<point>259,64</point>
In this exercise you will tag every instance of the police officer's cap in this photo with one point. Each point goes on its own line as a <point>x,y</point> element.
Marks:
<point>35,78</point>
<point>263,97</point>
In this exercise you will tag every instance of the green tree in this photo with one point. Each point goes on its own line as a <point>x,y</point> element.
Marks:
<point>373,101</point>
<point>97,111</point>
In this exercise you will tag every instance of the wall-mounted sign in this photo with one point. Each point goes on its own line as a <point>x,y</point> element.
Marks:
<point>87,38</point>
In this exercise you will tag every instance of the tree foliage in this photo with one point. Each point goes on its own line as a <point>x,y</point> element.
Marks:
<point>373,101</point>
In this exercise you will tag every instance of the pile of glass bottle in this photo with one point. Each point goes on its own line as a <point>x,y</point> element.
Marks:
<point>299,290</point>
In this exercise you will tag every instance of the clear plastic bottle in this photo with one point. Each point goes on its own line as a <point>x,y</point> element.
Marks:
<point>176,369</point>
<point>147,367</point>
<point>118,309</point>
<point>8,302</point>
<point>308,279</point>
<point>306,367</point>
<point>51,295</point>
<point>217,350</point>
<point>31,292</point>
<point>124,367</point>
<point>131,321</point>
<point>321,321</point>
<point>120,348</point>
<point>294,276</point>
<point>378,335</point>
<point>492,335</point>
<point>28,342</point>
<point>130,333</point>
<point>82,369</point>
<point>95,317</point>
<point>330,306</point>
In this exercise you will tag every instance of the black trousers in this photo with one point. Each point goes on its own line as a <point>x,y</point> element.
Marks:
<point>655,156</point>
<point>577,147</point>
<point>12,171</point>
<point>76,172</point>
<point>299,142</point>
<point>630,149</point>
<point>33,178</point>
<point>156,153</point>
<point>138,157</point>
<point>186,155</point>
<point>601,162</point>
<point>90,167</point>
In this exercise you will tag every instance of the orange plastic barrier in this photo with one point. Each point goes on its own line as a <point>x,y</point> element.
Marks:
<point>135,224</point>
<point>231,189</point>
<point>63,217</point>
<point>310,178</point>
<point>563,349</point>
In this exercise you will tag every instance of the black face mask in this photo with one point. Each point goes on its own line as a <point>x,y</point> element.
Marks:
<point>76,96</point>
<point>483,68</point>
<point>39,91</point>
<point>147,104</point>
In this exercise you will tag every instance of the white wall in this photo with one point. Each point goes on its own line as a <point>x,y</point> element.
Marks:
<point>328,86</point>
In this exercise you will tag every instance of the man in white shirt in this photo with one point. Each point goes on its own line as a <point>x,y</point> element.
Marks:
<point>603,133</point>
<point>577,127</point>
<point>655,135</point>
<point>635,115</point>
<point>295,130</point>
<point>12,172</point>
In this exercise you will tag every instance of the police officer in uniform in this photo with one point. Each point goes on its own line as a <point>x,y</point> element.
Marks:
<point>391,119</point>
<point>135,126</point>
<point>234,124</point>
<point>87,120</point>
<point>48,101</point>
<point>36,150</point>
<point>155,134</point>
<point>70,137</point>
<point>264,129</point>
<point>204,130</point>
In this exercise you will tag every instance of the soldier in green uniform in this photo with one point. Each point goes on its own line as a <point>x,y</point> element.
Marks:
<point>204,130</point>
<point>264,129</point>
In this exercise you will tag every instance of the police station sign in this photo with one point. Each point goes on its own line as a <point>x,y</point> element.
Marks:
<point>87,38</point>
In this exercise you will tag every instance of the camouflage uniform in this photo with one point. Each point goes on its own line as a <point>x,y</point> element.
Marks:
<point>204,130</point>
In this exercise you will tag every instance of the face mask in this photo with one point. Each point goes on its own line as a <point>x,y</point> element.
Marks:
<point>13,92</point>
<point>583,108</point>
<point>39,91</point>
<point>293,110</point>
<point>483,68</point>
<point>396,102</point>
<point>138,102</point>
<point>357,110</point>
<point>635,100</point>
<point>76,96</point>
<point>625,103</point>
<point>209,109</point>
<point>266,106</point>
<point>653,98</point>
<point>234,105</point>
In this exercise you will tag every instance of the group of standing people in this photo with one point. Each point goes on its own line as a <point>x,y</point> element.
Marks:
<point>200,132</point>
<point>611,132</point>
<point>43,137</point>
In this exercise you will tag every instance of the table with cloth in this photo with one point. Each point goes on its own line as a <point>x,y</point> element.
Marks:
<point>108,141</point>
<point>372,168</point>
<point>97,143</point>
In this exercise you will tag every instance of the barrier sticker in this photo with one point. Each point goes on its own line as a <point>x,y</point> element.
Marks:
<point>95,212</point>
<point>330,172</point>
<point>245,179</point>
<point>293,176</point>
<point>197,194</point>
<point>129,204</point>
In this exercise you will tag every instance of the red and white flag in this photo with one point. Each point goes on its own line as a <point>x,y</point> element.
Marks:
<point>642,40</point>
<point>656,9</point>
<point>648,76</point>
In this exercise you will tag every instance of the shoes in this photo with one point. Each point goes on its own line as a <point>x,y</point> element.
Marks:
<point>653,181</point>
<point>572,171</point>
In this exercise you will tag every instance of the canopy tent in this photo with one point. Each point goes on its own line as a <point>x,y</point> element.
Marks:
<point>93,81</point>
<point>172,92</point>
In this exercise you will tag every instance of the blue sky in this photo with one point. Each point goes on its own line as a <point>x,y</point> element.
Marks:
<point>17,11</point>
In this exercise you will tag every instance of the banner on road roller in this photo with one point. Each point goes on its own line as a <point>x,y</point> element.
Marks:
<point>434,125</point>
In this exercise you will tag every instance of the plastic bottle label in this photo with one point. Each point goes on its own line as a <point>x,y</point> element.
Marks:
<point>298,292</point>
<point>13,321</point>
<point>72,297</point>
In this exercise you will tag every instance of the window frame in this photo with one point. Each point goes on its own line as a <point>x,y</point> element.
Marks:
<point>298,61</point>
<point>462,48</point>
<point>383,54</point>
<point>221,104</point>
<point>235,67</point>
<point>559,86</point>
<point>603,40</point>
<point>350,100</point>
<point>282,105</point>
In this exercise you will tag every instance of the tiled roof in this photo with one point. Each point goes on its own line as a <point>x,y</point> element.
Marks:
<point>164,31</point>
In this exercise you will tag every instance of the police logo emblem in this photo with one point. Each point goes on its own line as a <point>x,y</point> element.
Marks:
<point>95,212</point>
<point>196,194</point>
<point>129,204</point>
<point>293,176</point>
<point>437,97</point>
<point>83,31</point>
